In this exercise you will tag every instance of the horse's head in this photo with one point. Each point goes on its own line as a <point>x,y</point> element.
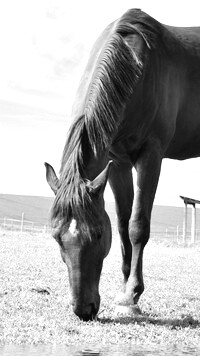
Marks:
<point>84,246</point>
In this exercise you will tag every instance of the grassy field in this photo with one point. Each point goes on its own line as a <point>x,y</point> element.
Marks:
<point>34,296</point>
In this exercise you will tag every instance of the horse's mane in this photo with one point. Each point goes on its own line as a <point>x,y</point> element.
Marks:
<point>118,70</point>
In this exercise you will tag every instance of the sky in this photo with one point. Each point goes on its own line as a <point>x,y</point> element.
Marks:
<point>44,48</point>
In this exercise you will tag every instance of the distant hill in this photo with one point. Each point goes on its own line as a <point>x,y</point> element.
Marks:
<point>37,209</point>
<point>34,208</point>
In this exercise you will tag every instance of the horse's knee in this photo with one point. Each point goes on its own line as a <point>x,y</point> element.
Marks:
<point>123,224</point>
<point>139,230</point>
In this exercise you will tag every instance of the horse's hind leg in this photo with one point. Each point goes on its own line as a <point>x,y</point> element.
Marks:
<point>121,182</point>
<point>148,170</point>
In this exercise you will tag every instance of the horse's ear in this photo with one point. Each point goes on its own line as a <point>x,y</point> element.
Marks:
<point>52,178</point>
<point>98,185</point>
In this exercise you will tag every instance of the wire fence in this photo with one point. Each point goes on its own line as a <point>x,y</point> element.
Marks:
<point>170,233</point>
<point>22,225</point>
<point>174,233</point>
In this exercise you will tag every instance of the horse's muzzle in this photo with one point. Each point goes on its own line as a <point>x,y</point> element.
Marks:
<point>87,313</point>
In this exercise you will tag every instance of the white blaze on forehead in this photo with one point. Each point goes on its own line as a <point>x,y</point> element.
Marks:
<point>72,227</point>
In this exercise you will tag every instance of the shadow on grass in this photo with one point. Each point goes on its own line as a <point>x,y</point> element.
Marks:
<point>176,323</point>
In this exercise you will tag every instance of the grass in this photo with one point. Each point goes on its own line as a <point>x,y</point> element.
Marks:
<point>34,296</point>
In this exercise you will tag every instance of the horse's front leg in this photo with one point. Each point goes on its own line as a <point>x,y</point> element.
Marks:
<point>121,182</point>
<point>148,170</point>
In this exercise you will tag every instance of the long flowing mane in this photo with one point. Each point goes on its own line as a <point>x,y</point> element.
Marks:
<point>118,69</point>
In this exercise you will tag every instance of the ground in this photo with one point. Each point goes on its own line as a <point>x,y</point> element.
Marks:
<point>34,296</point>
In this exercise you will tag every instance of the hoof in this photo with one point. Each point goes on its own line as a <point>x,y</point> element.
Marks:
<point>127,310</point>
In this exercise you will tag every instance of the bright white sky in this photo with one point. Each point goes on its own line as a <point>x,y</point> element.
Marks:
<point>44,46</point>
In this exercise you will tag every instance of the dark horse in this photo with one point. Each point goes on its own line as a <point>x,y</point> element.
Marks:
<point>138,102</point>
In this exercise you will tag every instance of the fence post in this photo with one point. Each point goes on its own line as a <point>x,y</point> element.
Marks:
<point>22,222</point>
<point>4,223</point>
<point>185,224</point>
<point>193,225</point>
<point>177,232</point>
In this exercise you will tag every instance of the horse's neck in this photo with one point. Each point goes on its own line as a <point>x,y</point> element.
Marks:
<point>95,165</point>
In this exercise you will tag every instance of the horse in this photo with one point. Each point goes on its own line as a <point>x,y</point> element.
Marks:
<point>138,102</point>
